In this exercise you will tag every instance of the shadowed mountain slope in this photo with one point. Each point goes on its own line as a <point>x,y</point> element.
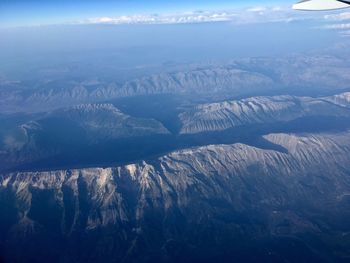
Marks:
<point>221,202</point>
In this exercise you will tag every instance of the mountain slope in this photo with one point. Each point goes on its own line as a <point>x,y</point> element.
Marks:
<point>76,128</point>
<point>341,99</point>
<point>259,110</point>
<point>239,201</point>
<point>239,78</point>
<point>104,121</point>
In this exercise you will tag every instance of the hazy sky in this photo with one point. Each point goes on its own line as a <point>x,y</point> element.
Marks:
<point>29,12</point>
<point>150,33</point>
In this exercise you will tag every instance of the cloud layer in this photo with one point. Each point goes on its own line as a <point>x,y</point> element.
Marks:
<point>253,15</point>
<point>192,17</point>
<point>338,17</point>
<point>340,22</point>
<point>258,14</point>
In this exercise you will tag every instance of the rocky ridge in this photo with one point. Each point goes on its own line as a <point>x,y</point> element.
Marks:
<point>258,110</point>
<point>245,191</point>
<point>236,79</point>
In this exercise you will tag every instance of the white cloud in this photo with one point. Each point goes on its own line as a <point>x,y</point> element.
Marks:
<point>257,9</point>
<point>344,27</point>
<point>190,17</point>
<point>338,26</point>
<point>252,15</point>
<point>338,17</point>
<point>277,8</point>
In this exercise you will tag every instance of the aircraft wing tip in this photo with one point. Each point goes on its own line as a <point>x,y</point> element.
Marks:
<point>319,5</point>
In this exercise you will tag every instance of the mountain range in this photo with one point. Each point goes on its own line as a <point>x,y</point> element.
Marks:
<point>224,203</point>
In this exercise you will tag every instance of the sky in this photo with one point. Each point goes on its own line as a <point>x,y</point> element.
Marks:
<point>44,36</point>
<point>42,12</point>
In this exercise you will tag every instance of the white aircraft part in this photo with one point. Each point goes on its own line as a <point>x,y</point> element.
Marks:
<point>314,5</point>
